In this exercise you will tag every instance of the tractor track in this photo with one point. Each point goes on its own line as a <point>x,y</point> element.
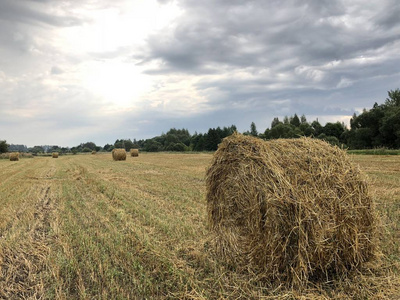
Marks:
<point>23,260</point>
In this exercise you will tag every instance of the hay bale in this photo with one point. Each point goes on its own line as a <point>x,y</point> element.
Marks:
<point>14,156</point>
<point>134,152</point>
<point>54,155</point>
<point>119,154</point>
<point>94,152</point>
<point>289,210</point>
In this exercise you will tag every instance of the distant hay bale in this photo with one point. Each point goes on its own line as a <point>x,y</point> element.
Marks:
<point>54,154</point>
<point>134,152</point>
<point>94,152</point>
<point>119,154</point>
<point>289,210</point>
<point>14,156</point>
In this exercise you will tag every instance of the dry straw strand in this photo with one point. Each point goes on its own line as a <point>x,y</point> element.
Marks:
<point>134,152</point>
<point>54,155</point>
<point>289,210</point>
<point>119,154</point>
<point>14,156</point>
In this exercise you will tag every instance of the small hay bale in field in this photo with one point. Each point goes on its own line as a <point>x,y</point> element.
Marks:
<point>134,152</point>
<point>289,210</point>
<point>54,154</point>
<point>119,154</point>
<point>94,152</point>
<point>14,156</point>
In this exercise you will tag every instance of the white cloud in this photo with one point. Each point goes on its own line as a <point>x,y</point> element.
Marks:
<point>89,67</point>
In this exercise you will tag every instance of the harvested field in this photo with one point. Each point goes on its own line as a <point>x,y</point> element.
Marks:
<point>84,227</point>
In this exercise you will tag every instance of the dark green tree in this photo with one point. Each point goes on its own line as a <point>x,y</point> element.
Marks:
<point>295,121</point>
<point>37,149</point>
<point>3,146</point>
<point>119,144</point>
<point>282,131</point>
<point>306,129</point>
<point>212,139</point>
<point>128,144</point>
<point>227,131</point>
<point>180,147</point>
<point>360,138</point>
<point>267,134</point>
<point>330,139</point>
<point>371,120</point>
<point>286,120</point>
<point>275,122</point>
<point>390,128</point>
<point>108,147</point>
<point>197,142</point>
<point>89,145</point>
<point>253,129</point>
<point>333,129</point>
<point>394,98</point>
<point>317,127</point>
<point>151,145</point>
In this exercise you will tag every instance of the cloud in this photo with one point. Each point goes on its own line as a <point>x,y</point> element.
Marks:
<point>56,70</point>
<point>102,70</point>
<point>31,12</point>
<point>244,51</point>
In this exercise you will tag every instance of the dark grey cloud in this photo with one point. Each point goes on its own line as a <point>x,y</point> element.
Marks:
<point>216,64</point>
<point>311,55</point>
<point>33,12</point>
<point>265,33</point>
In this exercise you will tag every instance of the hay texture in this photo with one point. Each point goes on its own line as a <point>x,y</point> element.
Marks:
<point>54,155</point>
<point>14,156</point>
<point>134,152</point>
<point>119,154</point>
<point>289,211</point>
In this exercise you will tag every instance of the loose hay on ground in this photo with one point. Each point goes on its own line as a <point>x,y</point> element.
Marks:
<point>119,154</point>
<point>289,211</point>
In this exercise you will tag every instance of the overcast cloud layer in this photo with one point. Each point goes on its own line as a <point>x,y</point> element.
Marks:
<point>78,71</point>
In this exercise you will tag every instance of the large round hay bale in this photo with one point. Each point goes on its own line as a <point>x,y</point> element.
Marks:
<point>54,155</point>
<point>14,156</point>
<point>289,210</point>
<point>134,152</point>
<point>94,152</point>
<point>119,154</point>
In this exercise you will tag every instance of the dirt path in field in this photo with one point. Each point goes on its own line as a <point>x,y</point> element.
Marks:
<point>25,247</point>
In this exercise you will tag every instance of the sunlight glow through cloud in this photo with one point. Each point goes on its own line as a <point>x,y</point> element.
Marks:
<point>98,70</point>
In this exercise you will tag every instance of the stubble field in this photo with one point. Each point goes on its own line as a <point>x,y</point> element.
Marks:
<point>87,227</point>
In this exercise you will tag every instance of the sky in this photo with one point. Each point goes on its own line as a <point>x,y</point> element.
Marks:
<point>97,70</point>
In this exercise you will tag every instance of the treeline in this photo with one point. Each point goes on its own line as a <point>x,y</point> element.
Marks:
<point>181,140</point>
<point>378,127</point>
